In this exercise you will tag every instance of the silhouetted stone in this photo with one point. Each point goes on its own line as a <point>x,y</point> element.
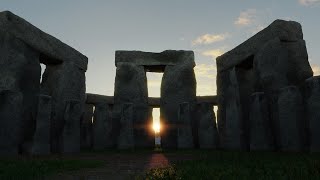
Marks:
<point>261,137</point>
<point>185,138</point>
<point>102,127</point>
<point>312,99</point>
<point>41,138</point>
<point>126,137</point>
<point>178,86</point>
<point>207,131</point>
<point>289,125</point>
<point>86,130</point>
<point>11,117</point>
<point>71,128</point>
<point>230,121</point>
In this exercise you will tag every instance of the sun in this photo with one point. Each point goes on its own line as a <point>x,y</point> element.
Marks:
<point>156,127</point>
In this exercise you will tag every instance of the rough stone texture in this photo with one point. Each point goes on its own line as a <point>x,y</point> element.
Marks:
<point>126,137</point>
<point>280,64</point>
<point>20,72</point>
<point>102,127</point>
<point>63,82</point>
<point>97,98</point>
<point>179,78</point>
<point>168,57</point>
<point>261,134</point>
<point>312,103</point>
<point>53,50</point>
<point>41,138</point>
<point>71,127</point>
<point>230,119</point>
<point>131,87</point>
<point>288,31</point>
<point>184,134</point>
<point>289,125</point>
<point>207,127</point>
<point>11,117</point>
<point>86,130</point>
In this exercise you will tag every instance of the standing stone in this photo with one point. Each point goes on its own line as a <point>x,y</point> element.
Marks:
<point>126,137</point>
<point>11,117</point>
<point>86,130</point>
<point>261,136</point>
<point>102,127</point>
<point>185,138</point>
<point>71,128</point>
<point>178,86</point>
<point>207,131</point>
<point>230,121</point>
<point>312,99</point>
<point>289,125</point>
<point>41,139</point>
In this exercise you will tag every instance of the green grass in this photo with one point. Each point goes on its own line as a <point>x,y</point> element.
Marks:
<point>36,168</point>
<point>242,165</point>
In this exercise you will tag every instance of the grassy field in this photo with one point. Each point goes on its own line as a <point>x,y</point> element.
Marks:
<point>25,168</point>
<point>242,165</point>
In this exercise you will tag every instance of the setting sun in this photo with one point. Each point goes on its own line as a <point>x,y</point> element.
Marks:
<point>156,127</point>
<point>156,120</point>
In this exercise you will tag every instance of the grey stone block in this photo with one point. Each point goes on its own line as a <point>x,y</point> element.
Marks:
<point>71,127</point>
<point>289,125</point>
<point>261,134</point>
<point>41,138</point>
<point>184,135</point>
<point>11,117</point>
<point>102,127</point>
<point>126,137</point>
<point>207,130</point>
<point>86,130</point>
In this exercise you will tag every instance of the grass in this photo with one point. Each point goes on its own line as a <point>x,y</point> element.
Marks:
<point>242,165</point>
<point>37,168</point>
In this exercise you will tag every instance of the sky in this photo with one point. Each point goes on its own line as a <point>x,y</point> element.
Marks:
<point>210,28</point>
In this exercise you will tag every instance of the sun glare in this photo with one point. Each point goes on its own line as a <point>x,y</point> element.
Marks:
<point>156,120</point>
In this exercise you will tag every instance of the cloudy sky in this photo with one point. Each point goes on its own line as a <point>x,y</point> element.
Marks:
<point>208,27</point>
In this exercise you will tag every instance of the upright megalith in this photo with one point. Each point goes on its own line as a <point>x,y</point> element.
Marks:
<point>261,132</point>
<point>71,127</point>
<point>11,117</point>
<point>41,138</point>
<point>102,127</point>
<point>274,58</point>
<point>126,137</point>
<point>312,103</point>
<point>207,129</point>
<point>86,127</point>
<point>184,134</point>
<point>178,86</point>
<point>289,127</point>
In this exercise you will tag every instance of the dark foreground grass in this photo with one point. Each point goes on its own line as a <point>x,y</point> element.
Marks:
<point>36,168</point>
<point>242,165</point>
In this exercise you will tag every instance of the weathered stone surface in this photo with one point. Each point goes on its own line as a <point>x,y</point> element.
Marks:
<point>280,64</point>
<point>131,87</point>
<point>102,127</point>
<point>284,30</point>
<point>289,125</point>
<point>207,130</point>
<point>312,103</point>
<point>126,137</point>
<point>20,72</point>
<point>62,82</point>
<point>97,98</point>
<point>261,134</point>
<point>184,135</point>
<point>213,100</point>
<point>179,78</point>
<point>41,138</point>
<point>230,119</point>
<point>53,50</point>
<point>143,133</point>
<point>168,57</point>
<point>71,127</point>
<point>11,117</point>
<point>86,129</point>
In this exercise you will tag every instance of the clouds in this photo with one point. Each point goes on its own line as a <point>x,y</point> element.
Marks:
<point>213,53</point>
<point>206,79</point>
<point>309,2</point>
<point>246,17</point>
<point>210,38</point>
<point>316,70</point>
